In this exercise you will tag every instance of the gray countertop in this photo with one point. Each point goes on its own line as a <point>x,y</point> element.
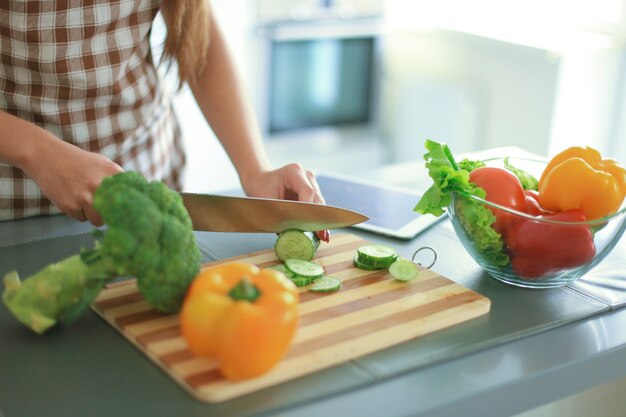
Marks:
<point>534,347</point>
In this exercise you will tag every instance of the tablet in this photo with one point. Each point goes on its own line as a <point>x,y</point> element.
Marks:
<point>390,209</point>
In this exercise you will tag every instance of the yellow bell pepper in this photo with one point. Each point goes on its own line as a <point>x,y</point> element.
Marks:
<point>578,178</point>
<point>241,316</point>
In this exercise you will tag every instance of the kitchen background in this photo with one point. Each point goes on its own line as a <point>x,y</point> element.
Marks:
<point>352,85</point>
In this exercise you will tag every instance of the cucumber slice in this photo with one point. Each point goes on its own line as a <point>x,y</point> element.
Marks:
<point>296,244</point>
<point>376,256</point>
<point>285,271</point>
<point>370,254</point>
<point>384,264</point>
<point>403,270</point>
<point>304,268</point>
<point>357,264</point>
<point>326,284</point>
<point>301,281</point>
<point>296,279</point>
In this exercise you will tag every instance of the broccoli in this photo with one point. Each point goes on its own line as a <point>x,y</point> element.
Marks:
<point>149,236</point>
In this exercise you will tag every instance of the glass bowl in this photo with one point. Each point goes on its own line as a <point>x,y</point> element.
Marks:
<point>542,253</point>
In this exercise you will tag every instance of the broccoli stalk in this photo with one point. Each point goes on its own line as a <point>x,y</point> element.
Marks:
<point>149,236</point>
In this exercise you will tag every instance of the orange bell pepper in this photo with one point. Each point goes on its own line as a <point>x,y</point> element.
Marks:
<point>241,316</point>
<point>578,178</point>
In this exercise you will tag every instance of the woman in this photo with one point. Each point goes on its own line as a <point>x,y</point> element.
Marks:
<point>80,99</point>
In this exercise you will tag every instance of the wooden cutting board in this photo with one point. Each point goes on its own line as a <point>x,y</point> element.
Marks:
<point>370,312</point>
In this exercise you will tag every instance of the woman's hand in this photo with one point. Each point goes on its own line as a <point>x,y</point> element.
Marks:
<point>69,176</point>
<point>66,174</point>
<point>290,182</point>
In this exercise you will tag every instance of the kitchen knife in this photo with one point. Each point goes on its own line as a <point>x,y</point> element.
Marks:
<point>219,213</point>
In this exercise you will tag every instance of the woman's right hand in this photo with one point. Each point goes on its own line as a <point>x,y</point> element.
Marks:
<point>69,176</point>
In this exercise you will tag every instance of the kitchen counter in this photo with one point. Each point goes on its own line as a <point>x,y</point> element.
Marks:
<point>534,347</point>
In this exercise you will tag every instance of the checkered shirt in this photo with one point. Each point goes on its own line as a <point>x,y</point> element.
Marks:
<point>83,70</point>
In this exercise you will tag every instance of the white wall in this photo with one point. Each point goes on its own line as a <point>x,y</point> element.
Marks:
<point>468,91</point>
<point>617,147</point>
<point>538,74</point>
<point>590,108</point>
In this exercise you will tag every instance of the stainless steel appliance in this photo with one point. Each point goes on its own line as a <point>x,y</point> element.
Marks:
<point>319,70</point>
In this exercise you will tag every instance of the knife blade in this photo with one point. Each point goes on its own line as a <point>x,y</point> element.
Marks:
<point>220,213</point>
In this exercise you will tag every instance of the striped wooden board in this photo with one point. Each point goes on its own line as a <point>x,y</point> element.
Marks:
<point>370,312</point>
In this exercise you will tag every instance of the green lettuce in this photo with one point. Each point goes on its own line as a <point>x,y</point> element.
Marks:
<point>476,220</point>
<point>469,165</point>
<point>449,177</point>
<point>529,182</point>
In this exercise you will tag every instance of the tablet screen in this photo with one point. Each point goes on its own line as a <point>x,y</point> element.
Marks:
<point>389,209</point>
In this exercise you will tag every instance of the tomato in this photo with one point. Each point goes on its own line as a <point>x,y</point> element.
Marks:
<point>502,188</point>
<point>323,235</point>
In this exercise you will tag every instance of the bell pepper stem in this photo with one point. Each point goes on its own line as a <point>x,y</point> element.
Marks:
<point>245,290</point>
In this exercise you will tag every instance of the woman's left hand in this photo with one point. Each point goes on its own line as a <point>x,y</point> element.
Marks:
<point>291,182</point>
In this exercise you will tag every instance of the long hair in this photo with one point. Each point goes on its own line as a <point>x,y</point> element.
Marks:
<point>187,39</point>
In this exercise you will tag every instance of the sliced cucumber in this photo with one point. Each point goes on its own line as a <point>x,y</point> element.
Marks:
<point>326,284</point>
<point>304,268</point>
<point>296,244</point>
<point>376,252</point>
<point>357,264</point>
<point>376,256</point>
<point>281,268</point>
<point>296,279</point>
<point>403,270</point>
<point>301,281</point>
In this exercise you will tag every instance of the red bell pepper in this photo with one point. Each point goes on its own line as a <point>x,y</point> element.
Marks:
<point>532,204</point>
<point>538,248</point>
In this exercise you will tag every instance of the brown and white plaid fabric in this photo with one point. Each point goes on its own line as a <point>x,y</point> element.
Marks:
<point>83,70</point>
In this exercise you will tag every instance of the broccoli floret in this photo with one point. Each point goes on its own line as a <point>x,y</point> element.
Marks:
<point>149,236</point>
